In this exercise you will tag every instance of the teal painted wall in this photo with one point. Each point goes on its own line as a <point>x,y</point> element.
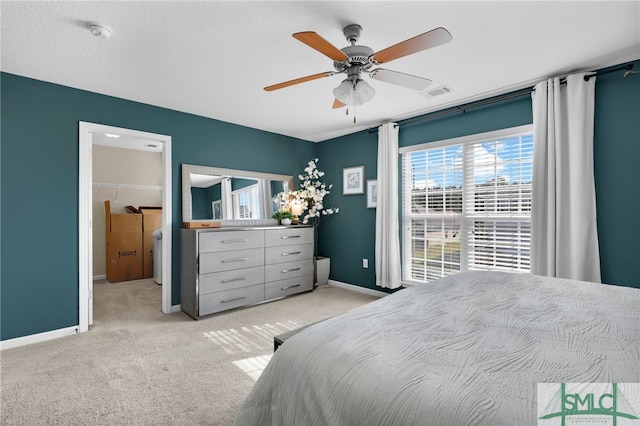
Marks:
<point>349,237</point>
<point>39,175</point>
<point>617,160</point>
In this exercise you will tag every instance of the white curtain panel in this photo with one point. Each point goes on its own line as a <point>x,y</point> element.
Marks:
<point>387,238</point>
<point>564,237</point>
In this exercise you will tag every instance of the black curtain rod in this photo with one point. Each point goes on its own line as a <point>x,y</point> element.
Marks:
<point>627,67</point>
<point>500,98</point>
<point>461,108</point>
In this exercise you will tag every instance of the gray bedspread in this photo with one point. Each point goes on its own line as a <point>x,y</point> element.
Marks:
<point>468,349</point>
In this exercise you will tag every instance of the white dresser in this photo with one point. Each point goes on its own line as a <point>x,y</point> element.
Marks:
<point>225,268</point>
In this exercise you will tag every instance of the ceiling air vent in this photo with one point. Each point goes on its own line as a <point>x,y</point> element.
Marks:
<point>437,91</point>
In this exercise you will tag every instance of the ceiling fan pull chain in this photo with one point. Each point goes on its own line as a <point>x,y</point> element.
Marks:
<point>354,102</point>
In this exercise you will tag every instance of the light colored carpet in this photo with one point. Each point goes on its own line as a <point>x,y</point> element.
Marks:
<point>136,366</point>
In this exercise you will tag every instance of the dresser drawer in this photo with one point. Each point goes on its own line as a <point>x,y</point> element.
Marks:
<point>288,236</point>
<point>236,240</point>
<point>228,280</point>
<point>282,254</point>
<point>289,286</point>
<point>225,261</point>
<point>282,271</point>
<point>223,300</point>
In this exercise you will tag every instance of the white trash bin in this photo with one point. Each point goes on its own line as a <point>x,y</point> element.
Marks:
<point>157,256</point>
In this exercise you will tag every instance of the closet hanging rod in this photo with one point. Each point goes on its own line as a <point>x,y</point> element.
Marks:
<point>127,186</point>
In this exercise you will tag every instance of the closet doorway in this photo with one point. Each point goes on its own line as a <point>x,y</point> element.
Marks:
<point>90,134</point>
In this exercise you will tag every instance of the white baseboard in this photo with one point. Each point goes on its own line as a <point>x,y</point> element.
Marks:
<point>99,277</point>
<point>38,337</point>
<point>358,289</point>
<point>175,308</point>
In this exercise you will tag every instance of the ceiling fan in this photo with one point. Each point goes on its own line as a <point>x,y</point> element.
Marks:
<point>354,60</point>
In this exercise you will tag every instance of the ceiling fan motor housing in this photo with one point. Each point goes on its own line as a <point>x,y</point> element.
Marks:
<point>358,55</point>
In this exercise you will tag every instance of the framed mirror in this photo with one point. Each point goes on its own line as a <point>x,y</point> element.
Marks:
<point>235,197</point>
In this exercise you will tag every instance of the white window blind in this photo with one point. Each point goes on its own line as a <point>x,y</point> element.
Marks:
<point>467,205</point>
<point>246,202</point>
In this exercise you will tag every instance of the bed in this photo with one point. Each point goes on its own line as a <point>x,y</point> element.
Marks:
<point>468,349</point>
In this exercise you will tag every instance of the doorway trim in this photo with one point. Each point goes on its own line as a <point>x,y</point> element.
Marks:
<point>85,219</point>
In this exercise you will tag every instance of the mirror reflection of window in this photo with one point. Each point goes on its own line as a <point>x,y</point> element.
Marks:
<point>245,197</point>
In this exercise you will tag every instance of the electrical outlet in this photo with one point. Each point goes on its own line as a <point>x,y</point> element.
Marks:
<point>365,263</point>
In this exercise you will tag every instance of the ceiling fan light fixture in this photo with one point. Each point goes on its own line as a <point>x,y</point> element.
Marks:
<point>364,92</point>
<point>343,92</point>
<point>354,94</point>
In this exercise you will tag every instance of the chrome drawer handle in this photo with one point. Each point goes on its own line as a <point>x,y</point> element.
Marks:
<point>239,240</point>
<point>230,280</point>
<point>233,300</point>
<point>291,286</point>
<point>284,271</point>
<point>289,254</point>
<point>240,259</point>
<point>284,237</point>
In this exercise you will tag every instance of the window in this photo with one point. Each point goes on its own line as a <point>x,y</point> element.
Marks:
<point>467,204</point>
<point>246,202</point>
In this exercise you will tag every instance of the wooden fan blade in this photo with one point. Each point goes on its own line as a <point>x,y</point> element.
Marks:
<point>298,81</point>
<point>337,104</point>
<point>418,43</point>
<point>401,79</point>
<point>316,42</point>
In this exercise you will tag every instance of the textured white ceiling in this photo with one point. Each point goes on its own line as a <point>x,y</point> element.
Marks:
<point>214,58</point>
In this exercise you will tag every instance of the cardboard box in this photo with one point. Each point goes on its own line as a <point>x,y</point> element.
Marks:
<point>151,220</point>
<point>124,245</point>
<point>201,224</point>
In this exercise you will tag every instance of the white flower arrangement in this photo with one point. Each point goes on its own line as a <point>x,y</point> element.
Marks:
<point>311,197</point>
<point>312,192</point>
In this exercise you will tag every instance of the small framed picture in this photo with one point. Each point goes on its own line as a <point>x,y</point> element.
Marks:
<point>217,209</point>
<point>372,193</point>
<point>353,180</point>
